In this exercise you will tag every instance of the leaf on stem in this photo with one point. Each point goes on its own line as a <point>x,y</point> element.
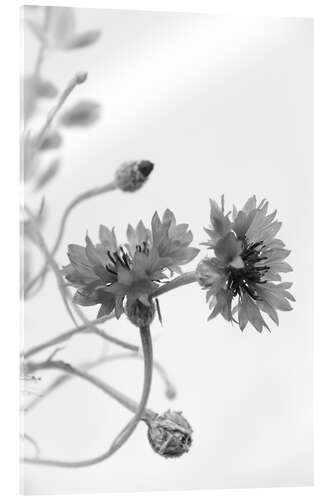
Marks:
<point>36,30</point>
<point>82,114</point>
<point>44,88</point>
<point>61,27</point>
<point>29,160</point>
<point>61,33</point>
<point>82,40</point>
<point>52,140</point>
<point>49,174</point>
<point>36,88</point>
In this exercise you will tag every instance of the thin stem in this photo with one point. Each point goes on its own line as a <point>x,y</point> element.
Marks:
<point>76,201</point>
<point>62,379</point>
<point>63,337</point>
<point>79,199</point>
<point>128,430</point>
<point>170,389</point>
<point>32,441</point>
<point>43,248</point>
<point>70,370</point>
<point>77,80</point>
<point>98,331</point>
<point>183,279</point>
<point>42,46</point>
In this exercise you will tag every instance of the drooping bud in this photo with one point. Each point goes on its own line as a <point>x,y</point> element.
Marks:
<point>170,434</point>
<point>140,314</point>
<point>130,176</point>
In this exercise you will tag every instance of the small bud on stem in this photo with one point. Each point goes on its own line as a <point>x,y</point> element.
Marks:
<point>81,77</point>
<point>170,434</point>
<point>139,314</point>
<point>130,176</point>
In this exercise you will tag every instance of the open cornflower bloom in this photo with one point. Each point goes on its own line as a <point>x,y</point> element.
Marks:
<point>240,272</point>
<point>241,277</point>
<point>107,273</point>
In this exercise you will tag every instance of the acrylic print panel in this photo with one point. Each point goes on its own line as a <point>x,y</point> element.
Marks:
<point>144,116</point>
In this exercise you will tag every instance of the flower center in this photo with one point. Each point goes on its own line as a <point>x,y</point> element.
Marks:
<point>244,279</point>
<point>120,258</point>
<point>123,259</point>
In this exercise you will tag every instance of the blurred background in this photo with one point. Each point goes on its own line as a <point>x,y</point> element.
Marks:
<point>220,105</point>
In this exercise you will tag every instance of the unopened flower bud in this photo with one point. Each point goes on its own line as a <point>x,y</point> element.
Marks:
<point>170,392</point>
<point>170,434</point>
<point>130,176</point>
<point>81,77</point>
<point>205,273</point>
<point>140,314</point>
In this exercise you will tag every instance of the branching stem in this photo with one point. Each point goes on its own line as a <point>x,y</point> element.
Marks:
<point>63,337</point>
<point>77,80</point>
<point>111,186</point>
<point>140,410</point>
<point>40,242</point>
<point>170,389</point>
<point>41,50</point>
<point>183,279</point>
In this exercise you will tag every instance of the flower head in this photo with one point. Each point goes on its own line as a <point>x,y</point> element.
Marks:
<point>107,273</point>
<point>170,434</point>
<point>241,277</point>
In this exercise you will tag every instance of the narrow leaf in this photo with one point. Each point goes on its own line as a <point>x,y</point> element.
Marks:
<point>83,39</point>
<point>49,174</point>
<point>61,28</point>
<point>44,88</point>
<point>51,141</point>
<point>36,29</point>
<point>82,114</point>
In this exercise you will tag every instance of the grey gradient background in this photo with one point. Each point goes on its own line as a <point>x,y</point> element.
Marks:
<point>220,105</point>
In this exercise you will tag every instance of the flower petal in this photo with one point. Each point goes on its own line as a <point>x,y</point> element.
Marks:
<point>228,248</point>
<point>106,308</point>
<point>108,238</point>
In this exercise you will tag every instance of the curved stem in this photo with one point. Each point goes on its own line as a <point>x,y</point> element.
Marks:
<point>76,201</point>
<point>170,389</point>
<point>128,430</point>
<point>63,337</point>
<point>41,51</point>
<point>183,279</point>
<point>32,441</point>
<point>70,370</point>
<point>78,79</point>
<point>40,242</point>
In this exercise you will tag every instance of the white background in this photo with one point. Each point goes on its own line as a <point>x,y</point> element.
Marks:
<point>221,105</point>
<point>323,417</point>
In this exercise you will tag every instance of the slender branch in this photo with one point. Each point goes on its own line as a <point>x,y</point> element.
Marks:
<point>78,79</point>
<point>70,371</point>
<point>32,441</point>
<point>170,389</point>
<point>42,46</point>
<point>76,201</point>
<point>61,285</point>
<point>183,279</point>
<point>128,430</point>
<point>95,329</point>
<point>40,242</point>
<point>111,186</point>
<point>87,324</point>
<point>63,337</point>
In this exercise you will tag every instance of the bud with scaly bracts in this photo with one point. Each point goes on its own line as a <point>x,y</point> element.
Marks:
<point>130,176</point>
<point>170,434</point>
